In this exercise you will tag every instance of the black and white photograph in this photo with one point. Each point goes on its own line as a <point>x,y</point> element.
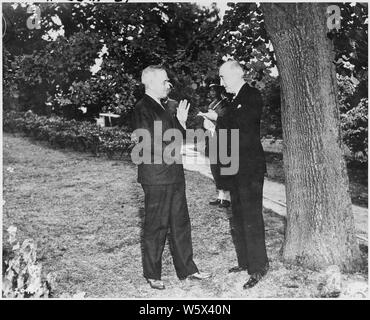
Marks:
<point>203,151</point>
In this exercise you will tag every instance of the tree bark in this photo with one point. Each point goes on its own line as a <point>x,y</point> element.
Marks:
<point>320,224</point>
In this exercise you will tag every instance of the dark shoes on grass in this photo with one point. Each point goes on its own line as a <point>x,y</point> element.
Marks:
<point>199,276</point>
<point>220,203</point>
<point>255,278</point>
<point>159,285</point>
<point>156,284</point>
<point>237,269</point>
<point>215,202</point>
<point>224,204</point>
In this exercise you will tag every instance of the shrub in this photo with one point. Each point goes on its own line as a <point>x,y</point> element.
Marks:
<point>22,274</point>
<point>62,133</point>
<point>354,124</point>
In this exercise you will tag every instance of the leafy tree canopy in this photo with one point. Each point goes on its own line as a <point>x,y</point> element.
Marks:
<point>190,40</point>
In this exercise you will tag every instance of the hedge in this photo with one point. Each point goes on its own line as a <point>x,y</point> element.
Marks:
<point>62,133</point>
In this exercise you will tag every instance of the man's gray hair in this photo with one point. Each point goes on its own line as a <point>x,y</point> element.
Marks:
<point>148,73</point>
<point>234,66</point>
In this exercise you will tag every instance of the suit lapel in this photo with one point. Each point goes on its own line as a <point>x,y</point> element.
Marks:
<point>159,109</point>
<point>162,113</point>
<point>240,98</point>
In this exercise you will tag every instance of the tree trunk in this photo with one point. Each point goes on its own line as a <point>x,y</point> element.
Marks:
<point>320,225</point>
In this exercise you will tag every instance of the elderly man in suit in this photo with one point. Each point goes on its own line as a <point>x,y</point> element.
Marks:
<point>247,225</point>
<point>163,184</point>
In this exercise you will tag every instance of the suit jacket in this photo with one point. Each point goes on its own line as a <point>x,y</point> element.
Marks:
<point>170,105</point>
<point>147,110</point>
<point>244,113</point>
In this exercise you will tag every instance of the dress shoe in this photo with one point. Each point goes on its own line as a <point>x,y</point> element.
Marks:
<point>237,269</point>
<point>224,204</point>
<point>156,284</point>
<point>255,278</point>
<point>215,202</point>
<point>199,276</point>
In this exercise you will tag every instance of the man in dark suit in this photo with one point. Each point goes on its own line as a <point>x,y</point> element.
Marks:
<point>247,225</point>
<point>163,183</point>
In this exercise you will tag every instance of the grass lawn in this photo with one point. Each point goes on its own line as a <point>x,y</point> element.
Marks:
<point>85,214</point>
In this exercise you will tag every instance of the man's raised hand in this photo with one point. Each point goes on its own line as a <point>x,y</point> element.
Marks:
<point>182,111</point>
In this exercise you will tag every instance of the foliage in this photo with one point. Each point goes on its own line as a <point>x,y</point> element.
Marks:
<point>351,57</point>
<point>135,35</point>
<point>355,129</point>
<point>33,61</point>
<point>346,90</point>
<point>244,37</point>
<point>103,93</point>
<point>55,67</point>
<point>62,133</point>
<point>189,40</point>
<point>350,41</point>
<point>18,39</point>
<point>271,112</point>
<point>10,69</point>
<point>22,274</point>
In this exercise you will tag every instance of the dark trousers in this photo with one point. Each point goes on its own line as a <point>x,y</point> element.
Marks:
<point>246,222</point>
<point>166,207</point>
<point>221,182</point>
